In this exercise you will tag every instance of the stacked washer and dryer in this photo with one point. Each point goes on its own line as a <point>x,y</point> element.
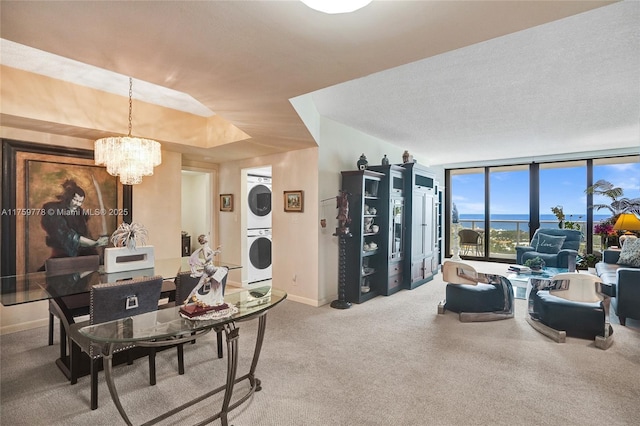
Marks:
<point>258,228</point>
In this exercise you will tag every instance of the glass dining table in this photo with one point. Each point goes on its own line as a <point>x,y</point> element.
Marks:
<point>168,327</point>
<point>38,286</point>
<point>161,328</point>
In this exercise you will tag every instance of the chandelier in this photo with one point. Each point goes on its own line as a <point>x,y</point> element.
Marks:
<point>129,157</point>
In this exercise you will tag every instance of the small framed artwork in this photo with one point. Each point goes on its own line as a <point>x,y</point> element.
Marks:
<point>293,201</point>
<point>226,202</point>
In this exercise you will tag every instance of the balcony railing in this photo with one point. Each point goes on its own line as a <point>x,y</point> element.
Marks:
<point>505,235</point>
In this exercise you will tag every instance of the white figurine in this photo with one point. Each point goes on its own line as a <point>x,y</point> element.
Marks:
<point>211,283</point>
<point>202,256</point>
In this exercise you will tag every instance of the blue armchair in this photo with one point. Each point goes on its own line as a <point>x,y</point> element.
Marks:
<point>557,247</point>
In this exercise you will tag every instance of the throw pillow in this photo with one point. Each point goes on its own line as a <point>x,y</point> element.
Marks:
<point>630,254</point>
<point>550,244</point>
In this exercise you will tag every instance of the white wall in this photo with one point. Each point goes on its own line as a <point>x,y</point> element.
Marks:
<point>340,148</point>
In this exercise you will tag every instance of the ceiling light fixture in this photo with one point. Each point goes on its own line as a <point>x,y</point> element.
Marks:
<point>128,157</point>
<point>336,6</point>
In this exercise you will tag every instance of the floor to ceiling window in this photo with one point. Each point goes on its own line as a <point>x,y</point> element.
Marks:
<point>509,210</point>
<point>622,172</point>
<point>506,204</point>
<point>468,188</point>
<point>562,195</point>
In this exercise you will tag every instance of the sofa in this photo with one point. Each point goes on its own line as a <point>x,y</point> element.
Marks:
<point>622,283</point>
<point>557,247</point>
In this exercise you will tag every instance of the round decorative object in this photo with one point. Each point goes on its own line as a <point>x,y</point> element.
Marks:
<point>362,162</point>
<point>385,160</point>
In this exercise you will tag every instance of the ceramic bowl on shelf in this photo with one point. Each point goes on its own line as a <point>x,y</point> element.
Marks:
<point>372,246</point>
<point>365,288</point>
<point>375,229</point>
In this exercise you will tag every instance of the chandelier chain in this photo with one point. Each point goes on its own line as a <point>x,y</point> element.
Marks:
<point>130,103</point>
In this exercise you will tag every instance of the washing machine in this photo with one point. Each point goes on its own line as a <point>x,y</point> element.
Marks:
<point>259,255</point>
<point>259,202</point>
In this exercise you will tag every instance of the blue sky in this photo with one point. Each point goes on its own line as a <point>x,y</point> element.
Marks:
<point>558,186</point>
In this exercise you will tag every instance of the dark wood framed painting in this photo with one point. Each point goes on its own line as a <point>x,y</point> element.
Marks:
<point>55,203</point>
<point>294,201</point>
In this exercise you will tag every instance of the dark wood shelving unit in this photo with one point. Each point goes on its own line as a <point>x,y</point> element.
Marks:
<point>364,276</point>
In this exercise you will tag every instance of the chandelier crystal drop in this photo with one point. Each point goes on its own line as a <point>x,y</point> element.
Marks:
<point>128,157</point>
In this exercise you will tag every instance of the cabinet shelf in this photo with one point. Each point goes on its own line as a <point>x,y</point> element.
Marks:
<point>368,273</point>
<point>369,253</point>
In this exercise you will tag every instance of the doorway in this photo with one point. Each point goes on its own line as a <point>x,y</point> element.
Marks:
<point>197,202</point>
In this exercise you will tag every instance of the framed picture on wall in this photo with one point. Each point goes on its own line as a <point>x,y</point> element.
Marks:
<point>226,202</point>
<point>293,201</point>
<point>56,203</point>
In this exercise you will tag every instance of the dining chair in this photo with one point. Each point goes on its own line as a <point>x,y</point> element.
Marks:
<point>185,283</point>
<point>77,304</point>
<point>108,302</point>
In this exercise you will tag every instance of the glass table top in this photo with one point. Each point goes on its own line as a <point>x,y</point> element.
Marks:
<point>545,273</point>
<point>35,286</point>
<point>165,323</point>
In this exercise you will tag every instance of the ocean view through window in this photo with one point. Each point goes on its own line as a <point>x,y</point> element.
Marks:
<point>502,202</point>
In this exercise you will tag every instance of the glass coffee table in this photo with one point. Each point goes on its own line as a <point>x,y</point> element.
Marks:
<point>520,281</point>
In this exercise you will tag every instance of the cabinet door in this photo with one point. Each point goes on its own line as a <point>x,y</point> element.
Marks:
<point>396,229</point>
<point>429,226</point>
<point>418,224</point>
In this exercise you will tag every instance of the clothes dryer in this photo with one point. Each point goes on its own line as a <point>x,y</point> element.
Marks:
<point>258,255</point>
<point>258,202</point>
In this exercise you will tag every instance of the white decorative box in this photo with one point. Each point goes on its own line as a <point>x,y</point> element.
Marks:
<point>118,259</point>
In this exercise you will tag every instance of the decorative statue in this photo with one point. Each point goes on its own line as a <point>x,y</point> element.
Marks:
<point>211,285</point>
<point>202,256</point>
<point>343,214</point>
<point>362,162</point>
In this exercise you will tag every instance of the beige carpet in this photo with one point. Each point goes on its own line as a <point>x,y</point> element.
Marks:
<point>389,361</point>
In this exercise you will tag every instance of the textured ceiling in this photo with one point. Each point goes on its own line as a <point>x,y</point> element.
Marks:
<point>425,75</point>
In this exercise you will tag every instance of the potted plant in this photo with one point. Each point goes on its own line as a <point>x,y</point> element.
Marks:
<point>536,264</point>
<point>619,204</point>
<point>130,250</point>
<point>587,261</point>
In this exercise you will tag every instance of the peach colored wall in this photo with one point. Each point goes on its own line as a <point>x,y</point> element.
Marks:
<point>295,235</point>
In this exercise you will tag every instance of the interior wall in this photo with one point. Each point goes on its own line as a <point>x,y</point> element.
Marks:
<point>340,149</point>
<point>295,242</point>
